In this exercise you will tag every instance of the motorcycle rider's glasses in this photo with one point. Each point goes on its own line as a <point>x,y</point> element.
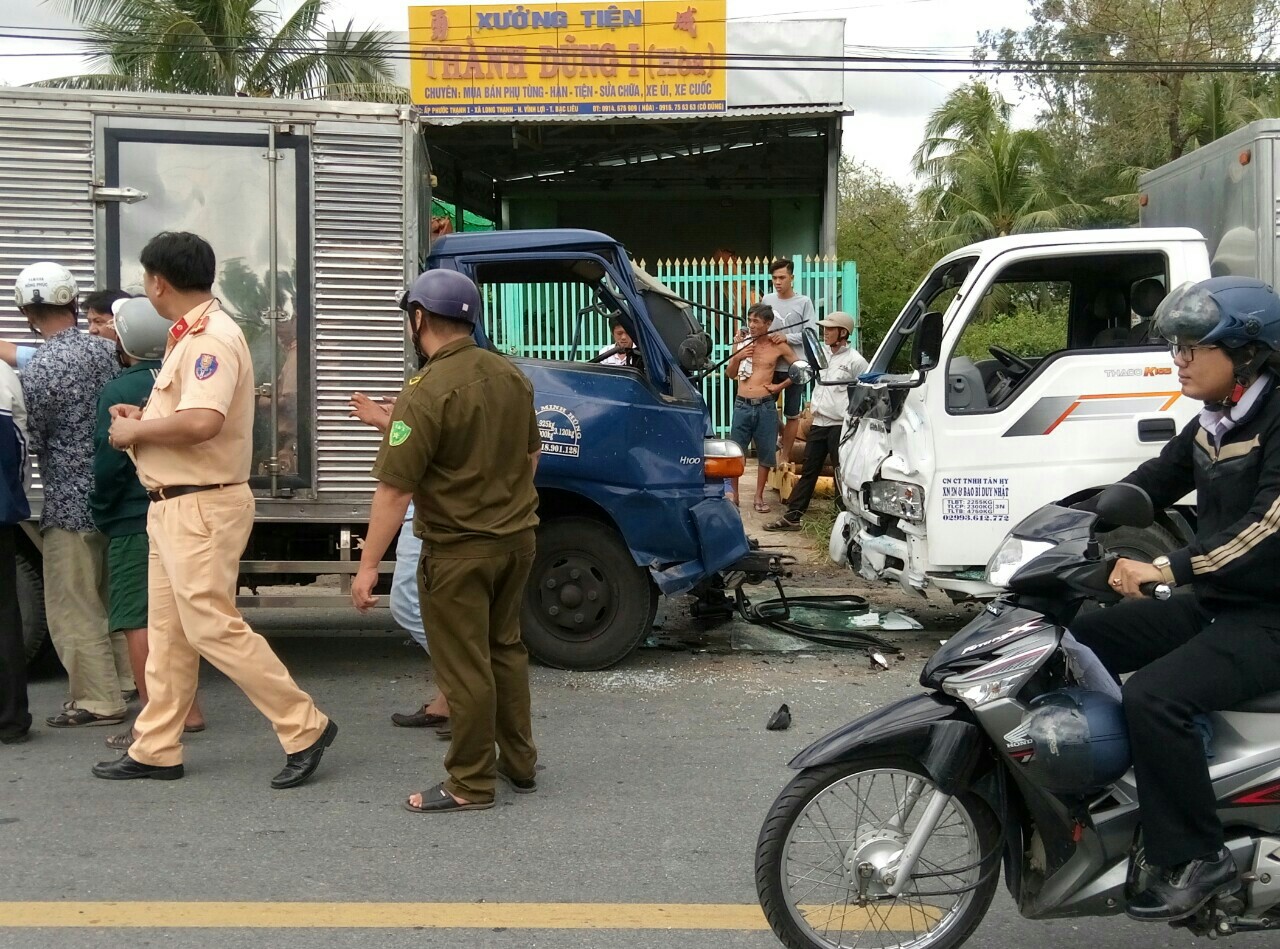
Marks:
<point>1186,351</point>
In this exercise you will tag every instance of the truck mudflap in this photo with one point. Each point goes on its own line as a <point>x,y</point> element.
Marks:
<point>722,541</point>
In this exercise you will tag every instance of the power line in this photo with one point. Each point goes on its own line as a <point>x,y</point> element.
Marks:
<point>708,62</point>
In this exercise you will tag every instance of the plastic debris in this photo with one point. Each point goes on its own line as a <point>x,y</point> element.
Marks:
<point>780,720</point>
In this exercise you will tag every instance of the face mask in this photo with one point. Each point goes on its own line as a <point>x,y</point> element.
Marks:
<point>423,358</point>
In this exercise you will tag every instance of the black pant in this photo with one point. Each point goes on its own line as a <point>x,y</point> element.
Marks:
<point>1185,661</point>
<point>823,442</point>
<point>14,718</point>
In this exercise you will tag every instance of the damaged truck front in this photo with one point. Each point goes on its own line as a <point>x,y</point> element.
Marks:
<point>1021,372</point>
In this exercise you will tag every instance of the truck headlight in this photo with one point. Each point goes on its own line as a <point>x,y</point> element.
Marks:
<point>1013,554</point>
<point>897,498</point>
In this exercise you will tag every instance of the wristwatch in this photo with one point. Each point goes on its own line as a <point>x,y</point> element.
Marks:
<point>1162,564</point>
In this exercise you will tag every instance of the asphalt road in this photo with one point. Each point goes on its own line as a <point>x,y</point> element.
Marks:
<point>657,775</point>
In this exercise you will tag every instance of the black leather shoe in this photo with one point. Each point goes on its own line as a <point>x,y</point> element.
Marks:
<point>302,764</point>
<point>125,768</point>
<point>1181,892</point>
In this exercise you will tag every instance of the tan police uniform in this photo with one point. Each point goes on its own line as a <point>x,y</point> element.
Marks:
<point>460,438</point>
<point>196,542</point>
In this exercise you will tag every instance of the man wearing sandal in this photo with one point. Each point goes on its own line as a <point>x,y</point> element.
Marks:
<point>830,404</point>
<point>454,448</point>
<point>405,606</point>
<point>119,501</point>
<point>60,387</point>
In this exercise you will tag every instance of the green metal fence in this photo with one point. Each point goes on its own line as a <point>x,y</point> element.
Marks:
<point>539,320</point>
<point>733,285</point>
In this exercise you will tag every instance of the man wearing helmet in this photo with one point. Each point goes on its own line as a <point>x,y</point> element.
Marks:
<point>192,445</point>
<point>118,499</point>
<point>60,385</point>
<point>1221,646</point>
<point>454,446</point>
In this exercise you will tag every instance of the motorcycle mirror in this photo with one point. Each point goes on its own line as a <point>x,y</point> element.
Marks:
<point>813,349</point>
<point>800,373</point>
<point>1125,505</point>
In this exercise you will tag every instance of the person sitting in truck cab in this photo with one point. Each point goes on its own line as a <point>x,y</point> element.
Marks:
<point>622,351</point>
<point>1219,647</point>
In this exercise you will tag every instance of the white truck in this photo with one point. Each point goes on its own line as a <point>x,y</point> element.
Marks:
<point>1022,372</point>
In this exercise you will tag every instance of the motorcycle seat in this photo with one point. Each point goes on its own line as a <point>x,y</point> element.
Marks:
<point>1269,703</point>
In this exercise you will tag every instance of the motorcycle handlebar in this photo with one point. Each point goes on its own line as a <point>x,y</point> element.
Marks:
<point>1156,590</point>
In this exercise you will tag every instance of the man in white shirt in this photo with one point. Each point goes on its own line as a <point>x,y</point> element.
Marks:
<point>793,312</point>
<point>830,404</point>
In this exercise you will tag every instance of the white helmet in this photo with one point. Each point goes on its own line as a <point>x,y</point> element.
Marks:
<point>143,333</point>
<point>45,284</point>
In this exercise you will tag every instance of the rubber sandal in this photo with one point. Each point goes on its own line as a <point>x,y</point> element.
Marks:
<point>122,741</point>
<point>80,718</point>
<point>193,729</point>
<point>762,507</point>
<point>440,801</point>
<point>418,719</point>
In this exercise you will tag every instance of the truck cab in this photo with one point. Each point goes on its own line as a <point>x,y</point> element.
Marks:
<point>631,481</point>
<point>1021,372</point>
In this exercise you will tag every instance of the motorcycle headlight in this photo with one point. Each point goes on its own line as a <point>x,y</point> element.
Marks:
<point>897,498</point>
<point>1012,555</point>
<point>998,679</point>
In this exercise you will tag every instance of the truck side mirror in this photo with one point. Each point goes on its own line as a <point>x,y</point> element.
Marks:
<point>926,348</point>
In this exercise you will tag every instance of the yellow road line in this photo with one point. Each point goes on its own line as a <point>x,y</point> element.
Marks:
<point>156,915</point>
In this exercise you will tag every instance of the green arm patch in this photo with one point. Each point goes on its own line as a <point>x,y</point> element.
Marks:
<point>399,433</point>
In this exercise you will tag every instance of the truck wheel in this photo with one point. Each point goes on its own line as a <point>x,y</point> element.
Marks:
<point>587,605</point>
<point>35,632</point>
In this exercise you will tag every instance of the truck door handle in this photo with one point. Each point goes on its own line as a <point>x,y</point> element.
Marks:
<point>1156,429</point>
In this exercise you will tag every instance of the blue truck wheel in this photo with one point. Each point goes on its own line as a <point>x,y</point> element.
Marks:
<point>588,605</point>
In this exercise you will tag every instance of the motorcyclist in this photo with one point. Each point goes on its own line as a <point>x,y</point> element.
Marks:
<point>1220,647</point>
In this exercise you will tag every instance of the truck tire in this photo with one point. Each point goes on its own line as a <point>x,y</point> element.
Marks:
<point>1146,543</point>
<point>587,604</point>
<point>35,631</point>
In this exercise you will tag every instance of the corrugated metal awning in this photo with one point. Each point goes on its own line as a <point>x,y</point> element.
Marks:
<point>729,115</point>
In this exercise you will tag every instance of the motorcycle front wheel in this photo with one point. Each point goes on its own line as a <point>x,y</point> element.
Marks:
<point>831,831</point>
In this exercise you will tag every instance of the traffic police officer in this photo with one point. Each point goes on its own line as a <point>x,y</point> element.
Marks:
<point>463,443</point>
<point>192,445</point>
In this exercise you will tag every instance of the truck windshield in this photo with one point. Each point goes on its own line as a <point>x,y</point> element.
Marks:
<point>934,296</point>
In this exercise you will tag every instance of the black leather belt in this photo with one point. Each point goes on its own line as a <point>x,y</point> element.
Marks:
<point>763,400</point>
<point>178,490</point>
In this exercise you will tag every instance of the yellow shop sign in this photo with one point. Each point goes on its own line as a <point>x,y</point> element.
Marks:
<point>569,58</point>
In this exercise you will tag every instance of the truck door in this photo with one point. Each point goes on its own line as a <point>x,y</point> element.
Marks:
<point>1052,387</point>
<point>217,180</point>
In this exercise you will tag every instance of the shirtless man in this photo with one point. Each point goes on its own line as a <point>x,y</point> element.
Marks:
<point>755,408</point>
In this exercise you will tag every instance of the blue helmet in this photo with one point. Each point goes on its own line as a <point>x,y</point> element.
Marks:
<point>445,293</point>
<point>1079,741</point>
<point>1230,312</point>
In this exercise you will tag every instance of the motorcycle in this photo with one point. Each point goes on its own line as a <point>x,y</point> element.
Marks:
<point>894,832</point>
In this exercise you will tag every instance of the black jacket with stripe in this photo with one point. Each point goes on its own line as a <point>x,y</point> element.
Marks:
<point>1233,561</point>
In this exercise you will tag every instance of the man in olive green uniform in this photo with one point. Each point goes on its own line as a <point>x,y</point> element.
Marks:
<point>463,444</point>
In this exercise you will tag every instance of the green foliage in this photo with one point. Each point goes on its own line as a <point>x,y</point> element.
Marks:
<point>985,179</point>
<point>230,47</point>
<point>1026,330</point>
<point>1106,128</point>
<point>877,226</point>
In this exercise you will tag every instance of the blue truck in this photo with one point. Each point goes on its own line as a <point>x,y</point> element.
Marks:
<point>631,479</point>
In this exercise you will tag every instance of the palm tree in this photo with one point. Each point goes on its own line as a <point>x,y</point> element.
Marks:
<point>984,178</point>
<point>229,47</point>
